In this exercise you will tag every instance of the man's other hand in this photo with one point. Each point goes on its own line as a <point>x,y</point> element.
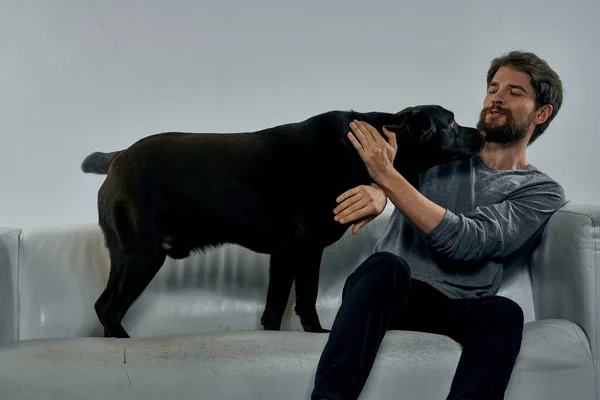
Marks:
<point>360,205</point>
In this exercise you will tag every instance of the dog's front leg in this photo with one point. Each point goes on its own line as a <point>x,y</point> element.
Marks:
<point>281,277</point>
<point>307,288</point>
<point>301,264</point>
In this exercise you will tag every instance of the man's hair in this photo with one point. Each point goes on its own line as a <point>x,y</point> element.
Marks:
<point>546,83</point>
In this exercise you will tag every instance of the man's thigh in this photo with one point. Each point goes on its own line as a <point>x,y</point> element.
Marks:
<point>429,310</point>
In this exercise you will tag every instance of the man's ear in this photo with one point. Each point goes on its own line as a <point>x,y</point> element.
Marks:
<point>543,113</point>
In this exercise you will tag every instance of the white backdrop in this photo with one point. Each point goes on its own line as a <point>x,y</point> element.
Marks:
<point>80,76</point>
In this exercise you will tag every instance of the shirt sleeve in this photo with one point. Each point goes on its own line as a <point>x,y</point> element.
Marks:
<point>499,229</point>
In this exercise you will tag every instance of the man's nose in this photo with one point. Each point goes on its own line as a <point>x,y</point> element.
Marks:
<point>498,97</point>
<point>498,101</point>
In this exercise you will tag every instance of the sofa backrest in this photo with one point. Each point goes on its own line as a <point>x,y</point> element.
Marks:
<point>62,271</point>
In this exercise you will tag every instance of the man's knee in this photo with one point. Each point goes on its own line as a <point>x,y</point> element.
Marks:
<point>510,310</point>
<point>388,265</point>
<point>504,313</point>
<point>384,270</point>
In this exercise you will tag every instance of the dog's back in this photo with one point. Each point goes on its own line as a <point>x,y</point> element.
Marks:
<point>253,188</point>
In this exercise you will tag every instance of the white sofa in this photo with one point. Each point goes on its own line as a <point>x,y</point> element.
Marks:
<point>196,333</point>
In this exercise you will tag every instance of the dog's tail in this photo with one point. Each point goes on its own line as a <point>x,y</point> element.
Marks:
<point>98,163</point>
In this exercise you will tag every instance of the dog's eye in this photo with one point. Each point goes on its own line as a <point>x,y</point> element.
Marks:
<point>453,128</point>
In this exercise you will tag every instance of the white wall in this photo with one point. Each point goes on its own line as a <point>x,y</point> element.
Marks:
<point>80,76</point>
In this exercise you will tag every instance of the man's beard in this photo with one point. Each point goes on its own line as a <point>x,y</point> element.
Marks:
<point>508,132</point>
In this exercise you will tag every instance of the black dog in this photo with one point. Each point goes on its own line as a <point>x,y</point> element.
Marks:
<point>272,191</point>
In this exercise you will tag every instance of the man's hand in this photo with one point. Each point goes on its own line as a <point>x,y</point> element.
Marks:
<point>377,153</point>
<point>378,156</point>
<point>360,205</point>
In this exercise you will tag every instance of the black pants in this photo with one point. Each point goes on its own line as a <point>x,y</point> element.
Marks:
<point>380,295</point>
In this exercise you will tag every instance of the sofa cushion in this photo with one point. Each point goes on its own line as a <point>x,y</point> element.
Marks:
<point>9,261</point>
<point>554,363</point>
<point>64,269</point>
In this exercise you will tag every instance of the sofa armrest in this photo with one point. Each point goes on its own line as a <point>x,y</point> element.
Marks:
<point>565,270</point>
<point>9,261</point>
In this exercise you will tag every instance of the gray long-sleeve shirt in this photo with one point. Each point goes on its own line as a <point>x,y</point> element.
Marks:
<point>489,215</point>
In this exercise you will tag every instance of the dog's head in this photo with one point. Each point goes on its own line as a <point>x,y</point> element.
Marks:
<point>429,135</point>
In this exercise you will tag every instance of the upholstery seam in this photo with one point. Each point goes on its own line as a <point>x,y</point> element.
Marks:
<point>585,342</point>
<point>596,311</point>
<point>594,221</point>
<point>596,306</point>
<point>9,233</point>
<point>19,288</point>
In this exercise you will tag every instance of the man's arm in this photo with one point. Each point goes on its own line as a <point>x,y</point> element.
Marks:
<point>490,231</point>
<point>378,155</point>
<point>424,214</point>
<point>500,229</point>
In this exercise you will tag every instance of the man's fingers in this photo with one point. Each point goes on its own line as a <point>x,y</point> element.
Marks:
<point>346,204</point>
<point>348,193</point>
<point>391,137</point>
<point>357,226</point>
<point>374,134</point>
<point>353,213</point>
<point>367,130</point>
<point>356,143</point>
<point>360,224</point>
<point>360,134</point>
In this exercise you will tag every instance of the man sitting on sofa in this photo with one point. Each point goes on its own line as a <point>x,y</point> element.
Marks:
<point>438,266</point>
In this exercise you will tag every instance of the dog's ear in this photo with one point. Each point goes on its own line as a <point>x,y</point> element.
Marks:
<point>397,129</point>
<point>411,120</point>
<point>400,118</point>
<point>419,121</point>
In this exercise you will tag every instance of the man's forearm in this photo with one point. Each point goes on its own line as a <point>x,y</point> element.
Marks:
<point>416,208</point>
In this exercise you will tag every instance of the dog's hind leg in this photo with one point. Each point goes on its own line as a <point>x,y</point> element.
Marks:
<point>130,274</point>
<point>143,271</point>
<point>307,287</point>
<point>281,277</point>
<point>136,256</point>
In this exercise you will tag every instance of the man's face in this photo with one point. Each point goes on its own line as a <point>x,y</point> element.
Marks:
<point>509,107</point>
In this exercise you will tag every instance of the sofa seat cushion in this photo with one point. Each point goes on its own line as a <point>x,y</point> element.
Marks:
<point>276,365</point>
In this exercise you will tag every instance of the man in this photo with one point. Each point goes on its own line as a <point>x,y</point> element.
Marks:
<point>439,264</point>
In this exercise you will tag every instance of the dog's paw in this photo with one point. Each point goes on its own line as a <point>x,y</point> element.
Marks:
<point>314,328</point>
<point>270,323</point>
<point>271,328</point>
